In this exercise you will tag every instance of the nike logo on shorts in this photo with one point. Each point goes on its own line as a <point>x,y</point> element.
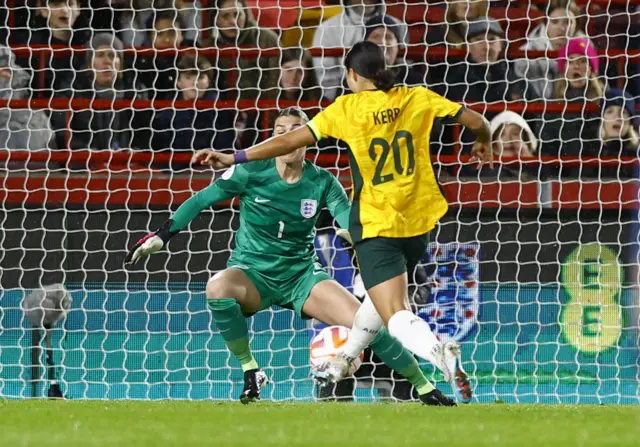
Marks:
<point>259,200</point>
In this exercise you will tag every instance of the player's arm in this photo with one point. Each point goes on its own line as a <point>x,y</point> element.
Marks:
<point>279,145</point>
<point>479,125</point>
<point>228,186</point>
<point>327,123</point>
<point>273,147</point>
<point>339,207</point>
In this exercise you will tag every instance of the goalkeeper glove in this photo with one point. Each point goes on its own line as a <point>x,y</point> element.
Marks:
<point>150,244</point>
<point>345,235</point>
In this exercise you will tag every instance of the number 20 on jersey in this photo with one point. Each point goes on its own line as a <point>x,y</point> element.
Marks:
<point>379,150</point>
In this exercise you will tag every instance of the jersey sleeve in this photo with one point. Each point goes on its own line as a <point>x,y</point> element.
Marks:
<point>232,183</point>
<point>329,122</point>
<point>338,202</point>
<point>441,106</point>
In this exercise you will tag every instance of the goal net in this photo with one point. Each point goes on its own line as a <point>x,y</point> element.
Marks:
<point>534,270</point>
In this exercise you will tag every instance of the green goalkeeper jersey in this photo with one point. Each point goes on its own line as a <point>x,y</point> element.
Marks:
<point>277,219</point>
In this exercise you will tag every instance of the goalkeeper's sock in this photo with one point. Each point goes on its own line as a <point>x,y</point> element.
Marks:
<point>400,360</point>
<point>228,317</point>
<point>415,334</point>
<point>366,325</point>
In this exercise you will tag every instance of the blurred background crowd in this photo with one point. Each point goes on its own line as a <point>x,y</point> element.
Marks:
<point>574,65</point>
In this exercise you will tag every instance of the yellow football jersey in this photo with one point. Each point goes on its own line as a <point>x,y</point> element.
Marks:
<point>395,190</point>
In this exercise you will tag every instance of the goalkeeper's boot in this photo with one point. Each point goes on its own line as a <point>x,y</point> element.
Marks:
<point>435,398</point>
<point>455,374</point>
<point>254,380</point>
<point>332,371</point>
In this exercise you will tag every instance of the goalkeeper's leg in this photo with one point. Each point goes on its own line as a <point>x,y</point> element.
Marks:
<point>231,295</point>
<point>332,304</point>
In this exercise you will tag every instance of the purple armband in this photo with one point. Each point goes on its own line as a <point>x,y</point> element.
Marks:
<point>240,157</point>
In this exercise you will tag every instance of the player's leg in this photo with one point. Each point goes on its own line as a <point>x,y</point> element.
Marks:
<point>384,264</point>
<point>332,304</point>
<point>231,295</point>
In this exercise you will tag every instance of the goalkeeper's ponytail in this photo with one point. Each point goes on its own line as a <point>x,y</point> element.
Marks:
<point>367,60</point>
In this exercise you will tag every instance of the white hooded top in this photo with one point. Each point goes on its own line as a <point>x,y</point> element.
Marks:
<point>509,117</point>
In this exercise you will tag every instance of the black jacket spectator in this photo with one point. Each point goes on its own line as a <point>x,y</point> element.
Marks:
<point>103,78</point>
<point>297,77</point>
<point>618,132</point>
<point>49,26</point>
<point>484,76</point>
<point>570,134</point>
<point>193,129</point>
<point>190,129</point>
<point>159,69</point>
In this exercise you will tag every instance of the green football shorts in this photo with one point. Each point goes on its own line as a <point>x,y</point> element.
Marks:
<point>383,258</point>
<point>290,292</point>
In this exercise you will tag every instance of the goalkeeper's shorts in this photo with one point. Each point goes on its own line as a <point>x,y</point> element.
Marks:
<point>290,291</point>
<point>382,258</point>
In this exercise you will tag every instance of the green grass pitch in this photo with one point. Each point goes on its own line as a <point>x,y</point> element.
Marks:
<point>185,424</point>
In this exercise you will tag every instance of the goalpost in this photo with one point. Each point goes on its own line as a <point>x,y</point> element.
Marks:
<point>535,275</point>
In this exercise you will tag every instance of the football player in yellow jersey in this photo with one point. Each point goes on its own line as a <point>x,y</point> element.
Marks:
<point>396,197</point>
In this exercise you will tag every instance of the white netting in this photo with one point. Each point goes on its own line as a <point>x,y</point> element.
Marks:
<point>534,269</point>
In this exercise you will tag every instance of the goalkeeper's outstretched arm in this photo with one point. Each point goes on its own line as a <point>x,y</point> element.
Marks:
<point>213,194</point>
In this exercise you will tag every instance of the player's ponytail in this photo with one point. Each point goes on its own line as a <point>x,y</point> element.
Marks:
<point>384,80</point>
<point>367,60</point>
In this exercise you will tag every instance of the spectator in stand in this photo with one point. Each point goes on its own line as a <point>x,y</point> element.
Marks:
<point>233,25</point>
<point>104,78</point>
<point>134,16</point>
<point>56,22</point>
<point>194,129</point>
<point>570,133</point>
<point>297,77</point>
<point>385,32</point>
<point>343,31</point>
<point>20,128</point>
<point>512,136</point>
<point>512,139</point>
<point>484,76</point>
<point>165,34</point>
<point>618,133</point>
<point>579,65</point>
<point>539,74</point>
<point>459,14</point>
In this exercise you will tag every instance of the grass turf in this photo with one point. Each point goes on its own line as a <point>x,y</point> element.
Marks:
<point>184,424</point>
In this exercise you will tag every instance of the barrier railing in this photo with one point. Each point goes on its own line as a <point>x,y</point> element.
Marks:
<point>69,104</point>
<point>414,51</point>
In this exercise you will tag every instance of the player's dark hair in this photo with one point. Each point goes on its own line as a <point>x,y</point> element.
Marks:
<point>294,111</point>
<point>367,60</point>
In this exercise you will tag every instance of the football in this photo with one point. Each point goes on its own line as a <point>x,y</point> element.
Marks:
<point>327,343</point>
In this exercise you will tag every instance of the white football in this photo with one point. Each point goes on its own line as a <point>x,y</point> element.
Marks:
<point>328,343</point>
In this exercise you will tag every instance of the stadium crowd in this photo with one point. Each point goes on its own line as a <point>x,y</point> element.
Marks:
<point>572,61</point>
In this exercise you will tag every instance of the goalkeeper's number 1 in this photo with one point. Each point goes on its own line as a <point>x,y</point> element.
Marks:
<point>280,229</point>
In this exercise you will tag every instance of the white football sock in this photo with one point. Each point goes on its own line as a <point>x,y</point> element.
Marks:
<point>366,326</point>
<point>415,334</point>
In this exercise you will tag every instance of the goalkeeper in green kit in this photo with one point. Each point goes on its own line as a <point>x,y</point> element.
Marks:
<point>274,262</point>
